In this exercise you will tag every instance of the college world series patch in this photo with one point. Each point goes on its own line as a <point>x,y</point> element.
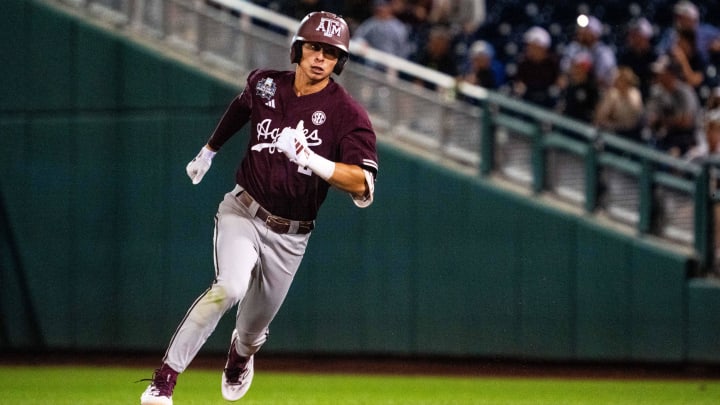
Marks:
<point>266,88</point>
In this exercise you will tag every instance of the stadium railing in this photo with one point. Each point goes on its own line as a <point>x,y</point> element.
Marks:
<point>487,134</point>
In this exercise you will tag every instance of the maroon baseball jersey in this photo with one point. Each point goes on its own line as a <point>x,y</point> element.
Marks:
<point>336,127</point>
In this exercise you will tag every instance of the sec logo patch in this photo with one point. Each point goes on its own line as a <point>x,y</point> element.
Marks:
<point>318,118</point>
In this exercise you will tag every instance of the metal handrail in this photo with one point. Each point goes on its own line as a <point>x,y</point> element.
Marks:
<point>543,130</point>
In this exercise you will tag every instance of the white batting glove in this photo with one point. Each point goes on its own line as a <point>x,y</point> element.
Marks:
<point>293,144</point>
<point>285,143</point>
<point>197,167</point>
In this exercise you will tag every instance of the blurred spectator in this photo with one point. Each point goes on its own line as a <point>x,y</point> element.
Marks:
<point>440,11</point>
<point>414,14</point>
<point>709,139</point>
<point>355,12</point>
<point>684,52</point>
<point>298,9</point>
<point>621,108</point>
<point>384,31</point>
<point>465,18</point>
<point>638,53</point>
<point>468,14</point>
<point>437,53</point>
<point>484,70</point>
<point>538,70</point>
<point>713,100</point>
<point>709,134</point>
<point>581,95</point>
<point>686,17</point>
<point>412,11</point>
<point>712,133</point>
<point>588,35</point>
<point>671,109</point>
<point>457,13</point>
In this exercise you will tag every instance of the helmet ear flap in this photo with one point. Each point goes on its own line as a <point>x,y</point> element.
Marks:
<point>342,60</point>
<point>296,52</point>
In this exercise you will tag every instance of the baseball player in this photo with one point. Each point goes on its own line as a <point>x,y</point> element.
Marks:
<point>307,134</point>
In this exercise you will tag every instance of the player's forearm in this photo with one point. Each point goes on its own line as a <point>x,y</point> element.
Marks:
<point>349,178</point>
<point>234,118</point>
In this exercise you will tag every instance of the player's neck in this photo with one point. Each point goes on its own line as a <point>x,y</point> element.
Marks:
<point>304,85</point>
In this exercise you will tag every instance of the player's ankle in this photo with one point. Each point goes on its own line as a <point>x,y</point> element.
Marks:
<point>167,371</point>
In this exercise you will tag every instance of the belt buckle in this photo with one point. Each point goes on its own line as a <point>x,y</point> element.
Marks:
<point>279,225</point>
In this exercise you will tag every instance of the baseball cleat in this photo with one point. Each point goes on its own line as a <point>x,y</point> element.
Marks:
<point>238,373</point>
<point>160,390</point>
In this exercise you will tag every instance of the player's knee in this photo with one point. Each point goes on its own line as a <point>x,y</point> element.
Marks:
<point>215,302</point>
<point>231,294</point>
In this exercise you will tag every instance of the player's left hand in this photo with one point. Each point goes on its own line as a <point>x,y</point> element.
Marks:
<point>293,144</point>
<point>197,167</point>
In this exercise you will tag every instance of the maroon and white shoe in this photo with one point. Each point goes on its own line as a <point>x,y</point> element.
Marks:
<point>238,373</point>
<point>160,390</point>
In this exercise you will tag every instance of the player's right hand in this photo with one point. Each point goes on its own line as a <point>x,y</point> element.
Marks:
<point>197,167</point>
<point>285,143</point>
<point>292,142</point>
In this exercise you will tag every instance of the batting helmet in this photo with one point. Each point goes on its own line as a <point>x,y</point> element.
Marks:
<point>326,28</point>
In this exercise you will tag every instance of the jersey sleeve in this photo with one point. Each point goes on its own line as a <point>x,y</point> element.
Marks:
<point>235,117</point>
<point>358,146</point>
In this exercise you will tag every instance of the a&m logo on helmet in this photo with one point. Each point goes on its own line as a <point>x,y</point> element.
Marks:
<point>330,27</point>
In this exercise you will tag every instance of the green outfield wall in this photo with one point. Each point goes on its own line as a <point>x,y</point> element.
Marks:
<point>104,242</point>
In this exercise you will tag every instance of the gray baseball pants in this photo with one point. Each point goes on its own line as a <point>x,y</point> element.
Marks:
<point>254,268</point>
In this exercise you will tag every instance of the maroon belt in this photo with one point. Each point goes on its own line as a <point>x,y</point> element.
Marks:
<point>273,222</point>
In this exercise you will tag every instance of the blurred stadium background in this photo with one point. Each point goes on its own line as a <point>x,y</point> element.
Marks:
<point>501,230</point>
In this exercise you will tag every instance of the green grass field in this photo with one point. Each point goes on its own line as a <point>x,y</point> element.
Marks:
<point>21,385</point>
